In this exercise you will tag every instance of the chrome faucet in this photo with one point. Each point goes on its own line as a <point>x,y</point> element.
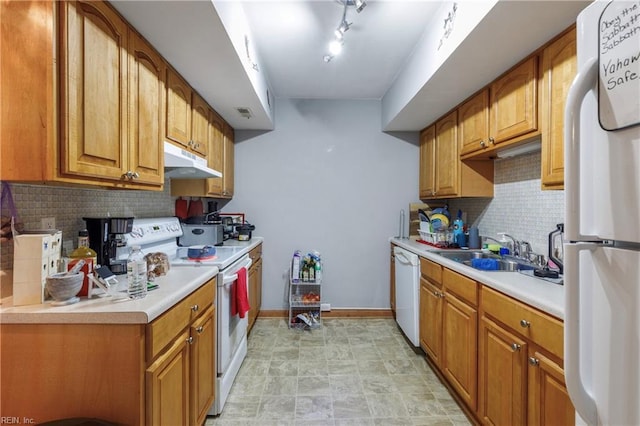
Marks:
<point>516,244</point>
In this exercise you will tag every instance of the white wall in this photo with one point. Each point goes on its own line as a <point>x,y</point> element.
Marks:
<point>326,179</point>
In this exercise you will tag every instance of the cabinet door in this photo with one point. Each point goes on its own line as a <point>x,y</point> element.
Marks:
<point>460,347</point>
<point>147,72</point>
<point>199,125</point>
<point>253,290</point>
<point>215,156</point>
<point>228,172</point>
<point>428,162</point>
<point>514,102</point>
<point>473,127</point>
<point>167,383</point>
<point>93,90</point>
<point>502,375</point>
<point>258,286</point>
<point>559,67</point>
<point>548,399</point>
<point>178,109</point>
<point>28,122</point>
<point>431,320</point>
<point>447,156</point>
<point>203,365</point>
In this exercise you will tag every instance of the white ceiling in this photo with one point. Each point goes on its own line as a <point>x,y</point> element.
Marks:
<point>291,37</point>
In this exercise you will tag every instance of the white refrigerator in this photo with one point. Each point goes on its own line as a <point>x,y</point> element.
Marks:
<point>602,217</point>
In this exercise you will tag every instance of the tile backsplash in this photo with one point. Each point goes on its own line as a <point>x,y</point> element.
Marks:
<point>69,205</point>
<point>518,207</point>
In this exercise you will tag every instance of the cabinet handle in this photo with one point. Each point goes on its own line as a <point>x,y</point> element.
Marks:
<point>199,329</point>
<point>524,323</point>
<point>534,361</point>
<point>515,347</point>
<point>492,140</point>
<point>131,175</point>
<point>190,340</point>
<point>195,308</point>
<point>483,144</point>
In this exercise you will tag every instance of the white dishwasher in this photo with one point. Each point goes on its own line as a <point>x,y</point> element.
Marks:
<point>408,293</point>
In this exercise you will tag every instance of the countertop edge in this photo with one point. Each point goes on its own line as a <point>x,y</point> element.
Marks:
<point>543,295</point>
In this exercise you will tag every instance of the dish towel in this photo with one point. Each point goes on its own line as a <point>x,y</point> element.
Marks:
<point>240,295</point>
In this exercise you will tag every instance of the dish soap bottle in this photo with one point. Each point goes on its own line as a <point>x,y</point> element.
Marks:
<point>136,274</point>
<point>458,231</point>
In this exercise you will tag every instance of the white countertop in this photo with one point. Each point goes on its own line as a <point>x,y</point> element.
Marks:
<point>544,295</point>
<point>179,282</point>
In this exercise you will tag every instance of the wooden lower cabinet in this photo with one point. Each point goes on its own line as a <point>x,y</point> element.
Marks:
<point>203,365</point>
<point>161,373</point>
<point>459,344</point>
<point>501,357</point>
<point>167,382</point>
<point>431,320</point>
<point>548,400</point>
<point>502,377</point>
<point>255,285</point>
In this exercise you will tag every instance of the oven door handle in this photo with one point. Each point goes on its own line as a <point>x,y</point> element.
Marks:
<point>227,280</point>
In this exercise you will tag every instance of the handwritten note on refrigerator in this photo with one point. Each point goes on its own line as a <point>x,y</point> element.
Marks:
<point>619,65</point>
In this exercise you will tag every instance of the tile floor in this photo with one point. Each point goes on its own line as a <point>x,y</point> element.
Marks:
<point>348,372</point>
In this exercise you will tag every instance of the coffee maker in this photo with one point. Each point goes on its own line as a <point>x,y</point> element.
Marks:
<point>107,239</point>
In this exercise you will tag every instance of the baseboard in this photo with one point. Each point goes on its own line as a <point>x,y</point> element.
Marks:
<point>333,313</point>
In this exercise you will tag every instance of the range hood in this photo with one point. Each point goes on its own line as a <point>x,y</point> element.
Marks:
<point>182,164</point>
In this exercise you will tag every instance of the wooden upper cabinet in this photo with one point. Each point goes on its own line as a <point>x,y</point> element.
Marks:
<point>473,124</point>
<point>178,109</point>
<point>428,162</point>
<point>216,152</point>
<point>514,103</point>
<point>559,68</point>
<point>229,163</point>
<point>147,72</point>
<point>94,91</point>
<point>199,125</point>
<point>28,104</point>
<point>447,156</point>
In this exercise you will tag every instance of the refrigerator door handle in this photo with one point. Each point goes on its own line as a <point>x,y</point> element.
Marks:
<point>582,400</point>
<point>584,81</point>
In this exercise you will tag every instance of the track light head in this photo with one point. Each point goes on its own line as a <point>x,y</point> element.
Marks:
<point>360,4</point>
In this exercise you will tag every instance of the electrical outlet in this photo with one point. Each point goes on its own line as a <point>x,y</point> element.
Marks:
<point>325,307</point>
<point>48,223</point>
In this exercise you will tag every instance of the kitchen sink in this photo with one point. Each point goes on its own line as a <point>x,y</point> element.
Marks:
<point>488,261</point>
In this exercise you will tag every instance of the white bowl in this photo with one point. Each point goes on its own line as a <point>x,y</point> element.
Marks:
<point>64,287</point>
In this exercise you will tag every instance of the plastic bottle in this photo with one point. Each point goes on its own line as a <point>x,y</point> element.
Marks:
<point>318,271</point>
<point>295,268</point>
<point>136,274</point>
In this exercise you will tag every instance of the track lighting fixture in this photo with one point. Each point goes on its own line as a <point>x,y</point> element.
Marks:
<point>335,46</point>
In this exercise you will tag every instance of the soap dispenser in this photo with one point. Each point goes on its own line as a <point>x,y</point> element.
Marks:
<point>506,243</point>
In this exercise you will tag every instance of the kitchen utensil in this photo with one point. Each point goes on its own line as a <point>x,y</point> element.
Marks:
<point>195,208</point>
<point>555,245</point>
<point>424,217</point>
<point>244,231</point>
<point>64,287</point>
<point>201,252</point>
<point>182,207</point>
<point>439,221</point>
<point>204,234</point>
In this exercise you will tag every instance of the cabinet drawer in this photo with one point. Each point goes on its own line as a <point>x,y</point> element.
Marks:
<point>256,253</point>
<point>537,326</point>
<point>431,271</point>
<point>460,285</point>
<point>164,329</point>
